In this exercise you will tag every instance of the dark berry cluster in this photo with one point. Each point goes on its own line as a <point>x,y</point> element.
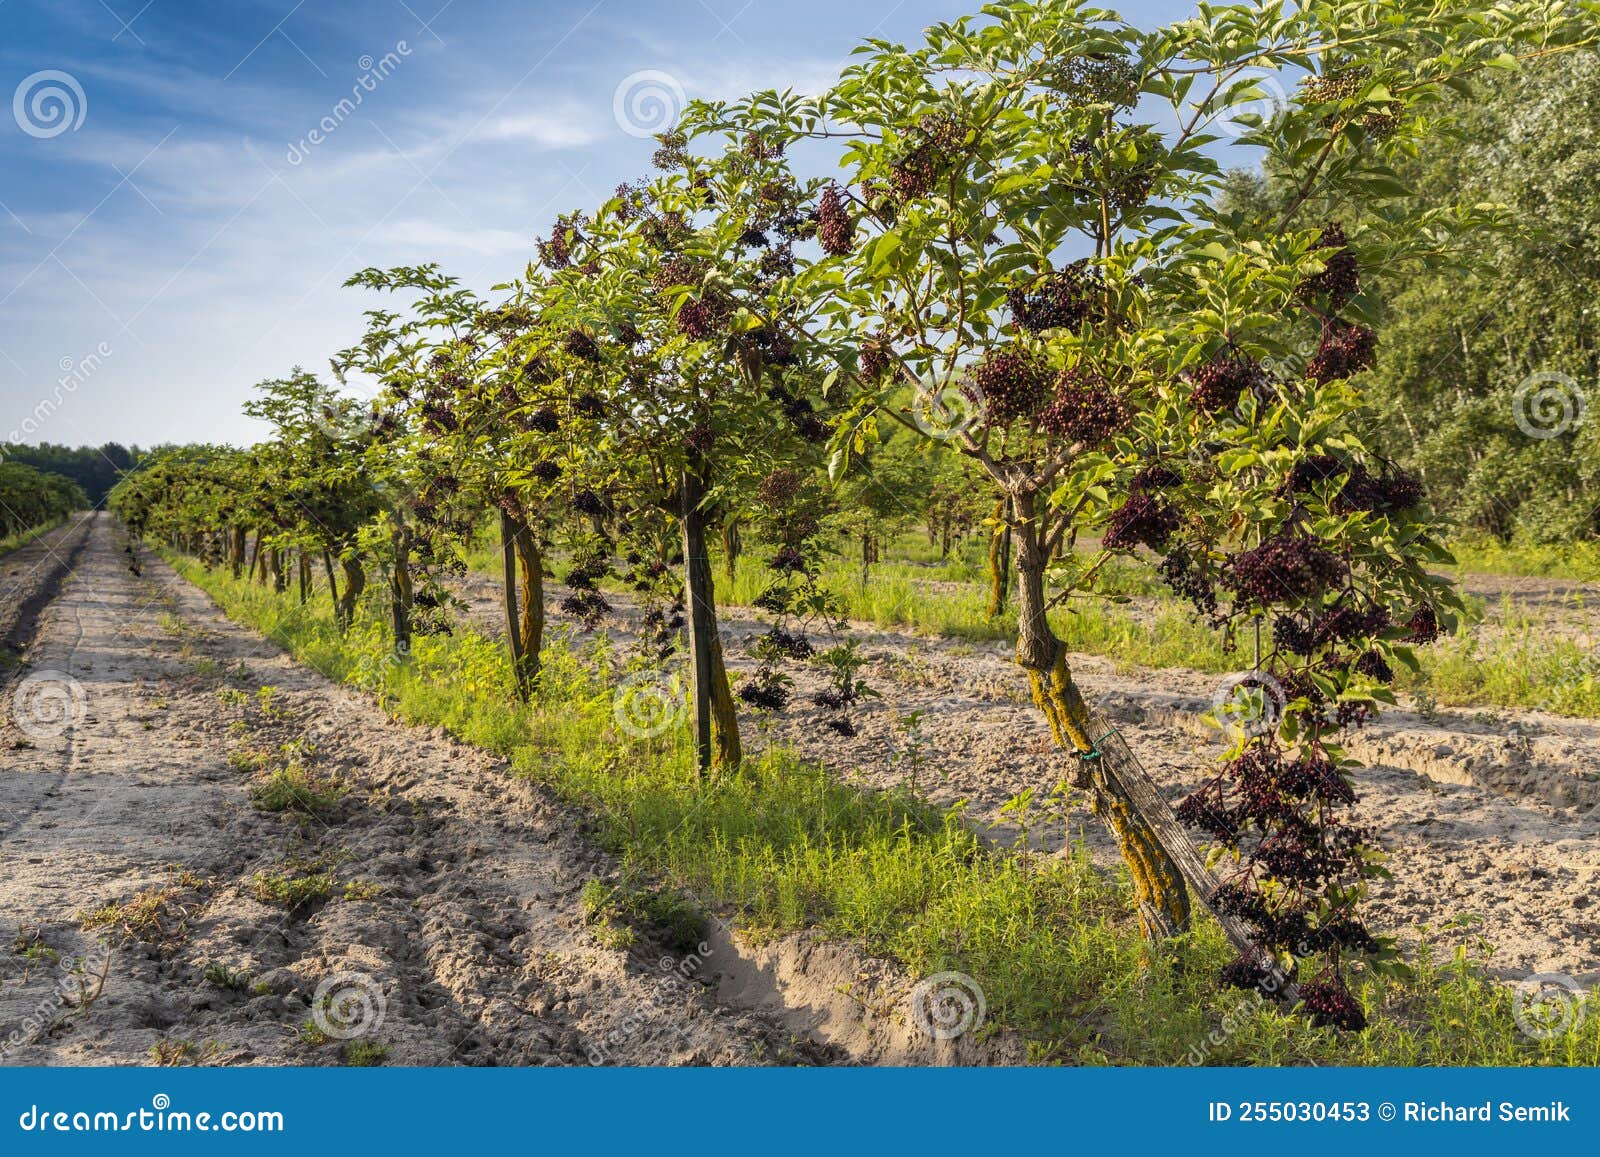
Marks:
<point>546,470</point>
<point>1084,409</point>
<point>874,360</point>
<point>1067,299</point>
<point>1374,666</point>
<point>583,346</point>
<point>766,690</point>
<point>1217,385</point>
<point>1286,567</point>
<point>938,139</point>
<point>1364,492</point>
<point>1153,478</point>
<point>1340,277</point>
<point>701,439</point>
<point>836,232</point>
<point>1013,380</point>
<point>1143,520</point>
<point>589,503</point>
<point>1423,625</point>
<point>588,607</point>
<point>701,318</point>
<point>1332,1006</point>
<point>543,420</point>
<point>1346,349</point>
<point>1188,577</point>
<point>589,405</point>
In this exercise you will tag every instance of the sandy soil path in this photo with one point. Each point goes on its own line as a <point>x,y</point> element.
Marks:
<point>451,934</point>
<point>1493,817</point>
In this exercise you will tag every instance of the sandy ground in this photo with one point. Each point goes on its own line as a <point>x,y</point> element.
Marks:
<point>1491,817</point>
<point>452,933</point>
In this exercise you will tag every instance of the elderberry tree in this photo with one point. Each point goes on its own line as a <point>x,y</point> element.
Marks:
<point>1028,259</point>
<point>678,301</point>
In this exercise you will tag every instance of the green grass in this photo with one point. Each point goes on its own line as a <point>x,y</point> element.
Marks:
<point>22,538</point>
<point>1053,942</point>
<point>1580,560</point>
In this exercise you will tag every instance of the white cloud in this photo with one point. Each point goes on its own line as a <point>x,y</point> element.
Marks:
<point>568,128</point>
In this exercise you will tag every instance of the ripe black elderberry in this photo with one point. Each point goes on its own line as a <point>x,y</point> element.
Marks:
<point>836,232</point>
<point>1013,380</point>
<point>1085,408</point>
<point>1153,478</point>
<point>1067,299</point>
<point>581,345</point>
<point>589,405</point>
<point>1339,279</point>
<point>1142,520</point>
<point>701,439</point>
<point>699,319</point>
<point>1217,385</point>
<point>543,420</point>
<point>1346,349</point>
<point>1285,567</point>
<point>874,360</point>
<point>1423,625</point>
<point>1331,1006</point>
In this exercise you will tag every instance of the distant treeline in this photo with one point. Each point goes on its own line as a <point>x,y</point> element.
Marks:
<point>30,498</point>
<point>95,469</point>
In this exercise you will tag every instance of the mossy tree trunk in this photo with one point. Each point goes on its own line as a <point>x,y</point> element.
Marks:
<point>999,562</point>
<point>509,603</point>
<point>1162,895</point>
<point>355,581</point>
<point>715,718</point>
<point>401,595</point>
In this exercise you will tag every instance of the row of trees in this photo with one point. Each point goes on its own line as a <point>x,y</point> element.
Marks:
<point>1030,264</point>
<point>30,498</point>
<point>95,469</point>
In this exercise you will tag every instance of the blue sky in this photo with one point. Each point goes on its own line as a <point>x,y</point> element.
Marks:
<point>171,233</point>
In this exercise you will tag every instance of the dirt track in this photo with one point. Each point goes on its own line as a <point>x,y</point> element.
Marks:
<point>451,932</point>
<point>1489,816</point>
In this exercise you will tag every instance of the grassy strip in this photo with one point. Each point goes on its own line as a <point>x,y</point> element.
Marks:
<point>1575,560</point>
<point>1052,941</point>
<point>1521,665</point>
<point>23,537</point>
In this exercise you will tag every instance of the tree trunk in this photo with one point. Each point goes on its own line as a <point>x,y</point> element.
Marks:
<point>508,567</point>
<point>716,724</point>
<point>1159,884</point>
<point>732,547</point>
<point>236,554</point>
<point>305,578</point>
<point>530,561</point>
<point>400,593</point>
<point>999,562</point>
<point>333,583</point>
<point>866,559</point>
<point>355,581</point>
<point>280,573</point>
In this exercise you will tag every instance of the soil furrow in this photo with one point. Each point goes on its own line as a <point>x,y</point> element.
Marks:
<point>428,915</point>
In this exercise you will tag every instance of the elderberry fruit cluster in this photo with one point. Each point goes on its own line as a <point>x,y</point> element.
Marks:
<point>1084,409</point>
